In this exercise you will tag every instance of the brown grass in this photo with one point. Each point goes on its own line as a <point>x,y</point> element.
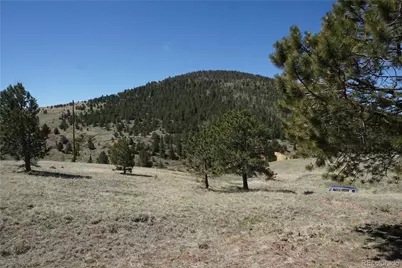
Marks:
<point>162,218</point>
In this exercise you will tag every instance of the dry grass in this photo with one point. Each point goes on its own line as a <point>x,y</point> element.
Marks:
<point>161,218</point>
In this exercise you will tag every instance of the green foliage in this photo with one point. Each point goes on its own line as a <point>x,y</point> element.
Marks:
<point>205,150</point>
<point>145,158</point>
<point>56,131</point>
<point>162,152</point>
<point>160,164</point>
<point>243,137</point>
<point>45,130</point>
<point>179,104</point>
<point>63,125</point>
<point>91,145</point>
<point>121,154</point>
<point>20,134</point>
<point>59,146</point>
<point>342,89</point>
<point>102,158</point>
<point>69,148</point>
<point>156,139</point>
<point>131,141</point>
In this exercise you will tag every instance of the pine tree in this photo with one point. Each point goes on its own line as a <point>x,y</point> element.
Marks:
<point>243,137</point>
<point>59,146</point>
<point>45,130</point>
<point>205,152</point>
<point>162,153</point>
<point>63,125</point>
<point>145,158</point>
<point>342,89</point>
<point>69,148</point>
<point>91,145</point>
<point>121,154</point>
<point>156,139</point>
<point>102,158</point>
<point>20,134</point>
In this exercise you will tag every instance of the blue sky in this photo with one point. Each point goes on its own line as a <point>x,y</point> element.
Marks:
<point>64,50</point>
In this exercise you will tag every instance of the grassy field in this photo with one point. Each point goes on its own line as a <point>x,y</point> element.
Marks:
<point>86,215</point>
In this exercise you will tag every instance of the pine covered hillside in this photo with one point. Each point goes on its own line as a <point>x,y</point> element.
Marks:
<point>179,104</point>
<point>157,116</point>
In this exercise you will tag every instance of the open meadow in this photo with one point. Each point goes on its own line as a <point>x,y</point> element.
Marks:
<point>86,215</point>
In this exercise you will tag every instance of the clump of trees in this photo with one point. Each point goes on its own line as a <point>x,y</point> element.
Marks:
<point>342,89</point>
<point>232,144</point>
<point>20,133</point>
<point>122,154</point>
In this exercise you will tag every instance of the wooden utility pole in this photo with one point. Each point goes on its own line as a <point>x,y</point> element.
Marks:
<point>74,152</point>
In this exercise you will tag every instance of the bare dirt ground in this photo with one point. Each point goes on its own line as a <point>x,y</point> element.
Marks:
<point>85,215</point>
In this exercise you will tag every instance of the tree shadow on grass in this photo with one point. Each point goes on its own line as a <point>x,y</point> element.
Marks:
<point>60,175</point>
<point>230,190</point>
<point>388,239</point>
<point>136,175</point>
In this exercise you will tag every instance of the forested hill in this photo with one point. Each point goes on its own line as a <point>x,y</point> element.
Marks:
<point>179,104</point>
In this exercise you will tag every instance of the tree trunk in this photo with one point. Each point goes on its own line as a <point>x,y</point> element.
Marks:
<point>206,181</point>
<point>27,161</point>
<point>124,170</point>
<point>245,183</point>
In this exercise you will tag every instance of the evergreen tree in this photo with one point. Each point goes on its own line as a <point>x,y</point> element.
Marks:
<point>69,148</point>
<point>90,159</point>
<point>131,141</point>
<point>102,158</point>
<point>56,131</point>
<point>162,153</point>
<point>205,152</point>
<point>63,125</point>
<point>172,154</point>
<point>121,154</point>
<point>20,134</point>
<point>45,130</point>
<point>179,146</point>
<point>156,139</point>
<point>59,146</point>
<point>91,145</point>
<point>145,158</point>
<point>342,89</point>
<point>243,137</point>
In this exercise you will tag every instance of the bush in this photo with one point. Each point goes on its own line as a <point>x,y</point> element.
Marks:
<point>59,146</point>
<point>62,139</point>
<point>145,159</point>
<point>102,158</point>
<point>68,148</point>
<point>56,131</point>
<point>91,145</point>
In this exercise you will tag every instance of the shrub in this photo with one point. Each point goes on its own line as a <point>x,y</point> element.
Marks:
<point>102,158</point>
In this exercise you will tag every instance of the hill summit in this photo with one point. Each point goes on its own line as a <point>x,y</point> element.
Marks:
<point>179,104</point>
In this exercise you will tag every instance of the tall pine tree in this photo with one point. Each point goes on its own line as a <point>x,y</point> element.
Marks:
<point>20,134</point>
<point>343,89</point>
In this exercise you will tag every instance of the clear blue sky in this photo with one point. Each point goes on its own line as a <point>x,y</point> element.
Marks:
<point>66,50</point>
